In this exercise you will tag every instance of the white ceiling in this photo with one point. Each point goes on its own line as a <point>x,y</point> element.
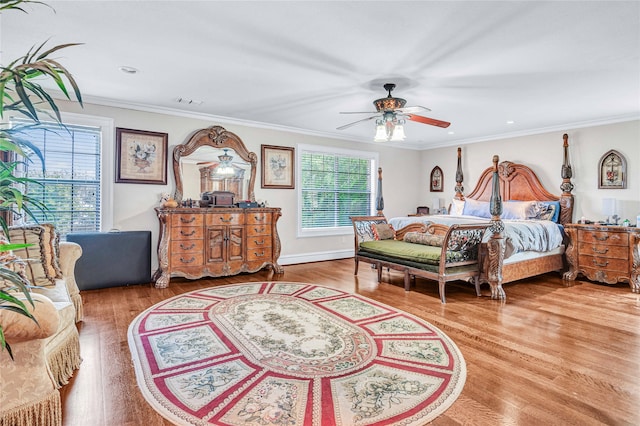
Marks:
<point>297,64</point>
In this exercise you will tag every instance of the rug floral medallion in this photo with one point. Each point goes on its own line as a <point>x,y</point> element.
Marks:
<point>284,353</point>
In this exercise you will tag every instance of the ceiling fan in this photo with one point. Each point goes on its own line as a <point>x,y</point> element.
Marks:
<point>390,115</point>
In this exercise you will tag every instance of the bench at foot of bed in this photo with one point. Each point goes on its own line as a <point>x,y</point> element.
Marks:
<point>440,253</point>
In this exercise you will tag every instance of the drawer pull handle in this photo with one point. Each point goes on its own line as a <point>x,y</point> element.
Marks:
<point>258,218</point>
<point>183,247</point>
<point>258,254</point>
<point>256,230</point>
<point>222,219</point>
<point>183,220</point>
<point>259,243</point>
<point>193,231</point>
<point>595,250</point>
<point>603,238</point>
<point>183,260</point>
<point>602,265</point>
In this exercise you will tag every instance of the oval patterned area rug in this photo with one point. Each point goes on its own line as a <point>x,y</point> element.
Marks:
<point>285,353</point>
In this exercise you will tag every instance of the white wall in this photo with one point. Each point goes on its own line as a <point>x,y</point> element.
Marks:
<point>405,173</point>
<point>134,203</point>
<point>544,154</point>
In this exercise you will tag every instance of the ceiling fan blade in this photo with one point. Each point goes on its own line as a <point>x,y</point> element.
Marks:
<point>427,120</point>
<point>358,112</point>
<point>412,109</point>
<point>359,121</point>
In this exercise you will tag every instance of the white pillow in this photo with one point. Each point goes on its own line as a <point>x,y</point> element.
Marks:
<point>477,208</point>
<point>519,210</point>
<point>457,207</point>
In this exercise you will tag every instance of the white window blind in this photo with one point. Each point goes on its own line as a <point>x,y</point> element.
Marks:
<point>333,186</point>
<point>69,177</point>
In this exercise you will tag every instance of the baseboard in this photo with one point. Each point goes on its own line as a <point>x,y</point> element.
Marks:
<point>293,259</point>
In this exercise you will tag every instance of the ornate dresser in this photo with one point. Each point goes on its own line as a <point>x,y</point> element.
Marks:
<point>603,253</point>
<point>215,241</point>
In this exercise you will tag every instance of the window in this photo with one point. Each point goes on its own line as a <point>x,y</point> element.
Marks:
<point>333,185</point>
<point>70,175</point>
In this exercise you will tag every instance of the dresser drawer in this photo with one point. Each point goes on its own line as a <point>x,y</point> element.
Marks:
<point>258,230</point>
<point>186,233</point>
<point>186,259</point>
<point>261,253</point>
<point>187,219</point>
<point>187,246</point>
<point>617,252</point>
<point>225,219</point>
<point>603,237</point>
<point>603,263</point>
<point>258,242</point>
<point>258,218</point>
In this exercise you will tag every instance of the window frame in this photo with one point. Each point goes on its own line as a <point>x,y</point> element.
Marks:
<point>107,161</point>
<point>339,230</point>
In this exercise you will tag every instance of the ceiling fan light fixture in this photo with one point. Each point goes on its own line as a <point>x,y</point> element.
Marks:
<point>381,132</point>
<point>397,133</point>
<point>225,168</point>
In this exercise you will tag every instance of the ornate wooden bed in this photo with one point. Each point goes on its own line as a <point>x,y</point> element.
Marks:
<point>508,181</point>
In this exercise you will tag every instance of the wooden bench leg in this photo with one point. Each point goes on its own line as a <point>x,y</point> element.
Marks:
<point>407,280</point>
<point>379,272</point>
<point>441,284</point>
<point>355,272</point>
<point>476,282</point>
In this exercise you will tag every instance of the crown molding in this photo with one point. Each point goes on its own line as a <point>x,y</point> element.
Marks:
<point>329,135</point>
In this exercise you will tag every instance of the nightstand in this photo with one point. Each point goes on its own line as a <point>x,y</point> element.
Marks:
<point>603,253</point>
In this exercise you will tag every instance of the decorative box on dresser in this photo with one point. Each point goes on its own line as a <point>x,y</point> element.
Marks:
<point>608,254</point>
<point>215,242</point>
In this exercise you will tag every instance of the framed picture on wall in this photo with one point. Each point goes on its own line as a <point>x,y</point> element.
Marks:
<point>436,181</point>
<point>278,163</point>
<point>141,157</point>
<point>612,171</point>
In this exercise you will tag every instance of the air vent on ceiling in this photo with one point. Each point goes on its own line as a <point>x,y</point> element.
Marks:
<point>188,101</point>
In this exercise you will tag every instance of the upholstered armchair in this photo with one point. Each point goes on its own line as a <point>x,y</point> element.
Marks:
<point>28,391</point>
<point>47,353</point>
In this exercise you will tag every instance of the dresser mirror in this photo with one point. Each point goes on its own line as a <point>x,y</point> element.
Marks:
<point>214,159</point>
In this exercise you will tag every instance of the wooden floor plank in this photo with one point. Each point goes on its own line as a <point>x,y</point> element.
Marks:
<point>553,353</point>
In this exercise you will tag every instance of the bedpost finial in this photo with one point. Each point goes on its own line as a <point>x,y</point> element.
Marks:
<point>565,138</point>
<point>459,152</point>
<point>496,159</point>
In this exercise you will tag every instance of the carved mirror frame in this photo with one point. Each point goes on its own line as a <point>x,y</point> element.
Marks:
<point>216,137</point>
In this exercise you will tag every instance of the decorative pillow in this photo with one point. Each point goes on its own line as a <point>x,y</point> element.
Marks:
<point>424,238</point>
<point>383,231</point>
<point>457,207</point>
<point>53,268</point>
<point>519,210</point>
<point>39,256</point>
<point>12,262</point>
<point>477,208</point>
<point>549,210</point>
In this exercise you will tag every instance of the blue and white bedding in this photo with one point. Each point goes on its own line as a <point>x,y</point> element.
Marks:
<point>520,235</point>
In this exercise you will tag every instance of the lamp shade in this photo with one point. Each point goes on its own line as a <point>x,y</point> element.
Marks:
<point>398,133</point>
<point>381,133</point>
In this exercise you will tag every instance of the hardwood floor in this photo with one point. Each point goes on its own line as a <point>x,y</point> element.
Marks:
<point>553,354</point>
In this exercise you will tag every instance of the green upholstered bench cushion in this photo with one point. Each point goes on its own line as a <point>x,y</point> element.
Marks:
<point>418,253</point>
<point>450,270</point>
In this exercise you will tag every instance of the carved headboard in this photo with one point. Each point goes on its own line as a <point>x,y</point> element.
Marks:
<point>519,182</point>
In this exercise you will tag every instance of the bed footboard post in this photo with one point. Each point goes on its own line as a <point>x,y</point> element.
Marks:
<point>495,245</point>
<point>459,189</point>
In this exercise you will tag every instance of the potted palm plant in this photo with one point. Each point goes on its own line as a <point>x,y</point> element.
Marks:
<point>22,94</point>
